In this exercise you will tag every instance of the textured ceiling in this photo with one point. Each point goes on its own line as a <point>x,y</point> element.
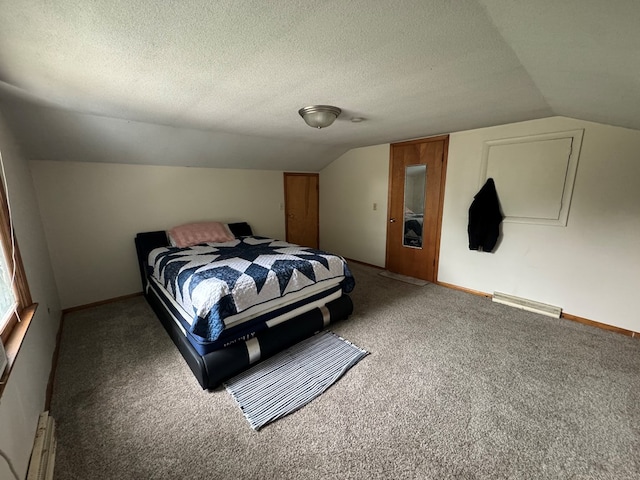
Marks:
<point>220,83</point>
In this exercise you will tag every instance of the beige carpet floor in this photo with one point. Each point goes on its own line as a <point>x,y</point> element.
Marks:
<point>455,386</point>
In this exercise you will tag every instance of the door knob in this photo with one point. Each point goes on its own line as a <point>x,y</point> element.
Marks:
<point>392,220</point>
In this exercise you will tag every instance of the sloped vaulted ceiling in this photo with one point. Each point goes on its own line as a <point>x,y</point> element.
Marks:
<point>219,84</point>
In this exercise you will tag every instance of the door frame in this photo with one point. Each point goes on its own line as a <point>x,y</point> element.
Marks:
<point>443,178</point>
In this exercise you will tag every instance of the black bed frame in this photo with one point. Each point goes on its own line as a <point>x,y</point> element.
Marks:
<point>213,368</point>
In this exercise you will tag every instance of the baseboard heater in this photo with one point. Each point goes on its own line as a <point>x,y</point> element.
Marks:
<point>526,304</point>
<point>44,450</point>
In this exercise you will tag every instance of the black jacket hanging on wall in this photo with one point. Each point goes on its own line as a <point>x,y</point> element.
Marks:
<point>484,218</point>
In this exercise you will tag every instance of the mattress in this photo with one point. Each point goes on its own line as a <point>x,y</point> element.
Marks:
<point>247,324</point>
<point>220,284</point>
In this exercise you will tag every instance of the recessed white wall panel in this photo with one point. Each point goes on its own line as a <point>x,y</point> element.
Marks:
<point>534,175</point>
<point>530,177</point>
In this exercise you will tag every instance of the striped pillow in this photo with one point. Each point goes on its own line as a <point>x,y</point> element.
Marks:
<point>195,233</point>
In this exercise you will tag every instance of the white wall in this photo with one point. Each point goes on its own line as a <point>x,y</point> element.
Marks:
<point>24,396</point>
<point>349,226</point>
<point>92,211</point>
<point>590,268</point>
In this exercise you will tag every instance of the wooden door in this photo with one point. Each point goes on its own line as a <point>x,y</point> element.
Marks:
<point>416,190</point>
<point>301,200</point>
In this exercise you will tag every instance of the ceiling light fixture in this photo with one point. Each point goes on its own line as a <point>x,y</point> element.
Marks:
<point>319,116</point>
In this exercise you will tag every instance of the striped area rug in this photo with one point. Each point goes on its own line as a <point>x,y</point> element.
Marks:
<point>292,378</point>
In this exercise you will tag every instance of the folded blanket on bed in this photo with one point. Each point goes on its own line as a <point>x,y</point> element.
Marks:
<point>219,280</point>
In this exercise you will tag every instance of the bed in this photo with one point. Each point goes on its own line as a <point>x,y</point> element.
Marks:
<point>413,229</point>
<point>230,304</point>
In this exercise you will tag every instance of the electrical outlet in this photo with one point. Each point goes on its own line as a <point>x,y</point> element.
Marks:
<point>375,206</point>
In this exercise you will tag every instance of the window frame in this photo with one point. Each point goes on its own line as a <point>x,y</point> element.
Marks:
<point>15,328</point>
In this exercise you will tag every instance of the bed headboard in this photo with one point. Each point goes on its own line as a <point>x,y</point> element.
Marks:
<point>147,241</point>
<point>240,229</point>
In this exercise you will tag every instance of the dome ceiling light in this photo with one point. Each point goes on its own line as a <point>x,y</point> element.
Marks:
<point>319,116</point>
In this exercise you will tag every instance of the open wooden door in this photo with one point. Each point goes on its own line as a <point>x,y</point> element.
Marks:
<point>416,191</point>
<point>301,200</point>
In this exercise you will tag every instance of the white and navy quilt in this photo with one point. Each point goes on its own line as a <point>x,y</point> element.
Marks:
<point>219,280</point>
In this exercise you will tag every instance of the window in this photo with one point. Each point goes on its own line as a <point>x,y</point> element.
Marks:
<point>16,308</point>
<point>7,297</point>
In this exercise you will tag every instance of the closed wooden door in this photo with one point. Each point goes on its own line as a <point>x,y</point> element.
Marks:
<point>301,200</point>
<point>416,190</point>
